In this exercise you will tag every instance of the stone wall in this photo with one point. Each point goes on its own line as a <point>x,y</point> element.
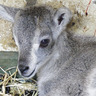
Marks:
<point>82,24</point>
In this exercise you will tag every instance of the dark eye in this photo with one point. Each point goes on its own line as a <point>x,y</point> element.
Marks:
<point>44,43</point>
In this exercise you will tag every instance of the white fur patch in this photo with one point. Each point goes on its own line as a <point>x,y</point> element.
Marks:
<point>91,83</point>
<point>34,49</point>
<point>91,92</point>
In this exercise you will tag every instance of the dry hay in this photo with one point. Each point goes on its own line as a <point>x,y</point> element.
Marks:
<point>10,85</point>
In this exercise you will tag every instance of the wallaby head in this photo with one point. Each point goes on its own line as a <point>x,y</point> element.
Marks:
<point>35,30</point>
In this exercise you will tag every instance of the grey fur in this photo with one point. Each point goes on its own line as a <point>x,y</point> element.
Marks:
<point>31,2</point>
<point>65,66</point>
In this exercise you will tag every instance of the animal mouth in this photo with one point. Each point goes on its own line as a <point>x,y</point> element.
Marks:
<point>31,73</point>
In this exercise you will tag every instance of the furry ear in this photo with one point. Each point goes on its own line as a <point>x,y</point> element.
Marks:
<point>8,13</point>
<point>61,19</point>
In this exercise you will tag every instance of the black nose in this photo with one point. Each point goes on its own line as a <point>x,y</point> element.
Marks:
<point>23,69</point>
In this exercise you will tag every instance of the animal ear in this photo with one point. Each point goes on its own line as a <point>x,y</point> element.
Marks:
<point>8,13</point>
<point>61,18</point>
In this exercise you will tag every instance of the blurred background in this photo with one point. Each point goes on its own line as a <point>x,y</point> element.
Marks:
<point>83,23</point>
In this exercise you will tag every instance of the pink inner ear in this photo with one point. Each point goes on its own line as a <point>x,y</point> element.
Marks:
<point>60,18</point>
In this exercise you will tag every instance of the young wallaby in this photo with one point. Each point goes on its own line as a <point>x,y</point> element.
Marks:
<point>65,64</point>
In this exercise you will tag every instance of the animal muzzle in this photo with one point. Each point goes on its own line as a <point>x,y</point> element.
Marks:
<point>23,67</point>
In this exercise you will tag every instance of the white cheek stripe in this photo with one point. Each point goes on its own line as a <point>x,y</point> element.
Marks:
<point>34,50</point>
<point>35,47</point>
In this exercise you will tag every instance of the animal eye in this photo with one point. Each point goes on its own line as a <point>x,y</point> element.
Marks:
<point>44,43</point>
